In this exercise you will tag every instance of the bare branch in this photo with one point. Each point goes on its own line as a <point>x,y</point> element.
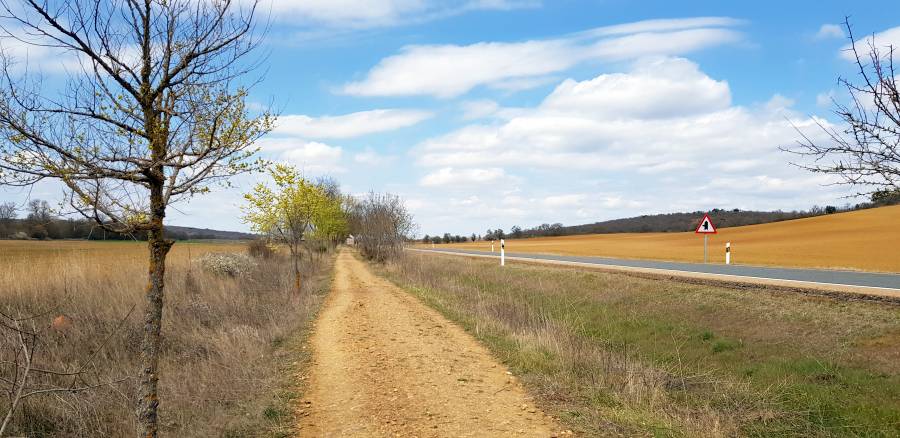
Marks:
<point>865,152</point>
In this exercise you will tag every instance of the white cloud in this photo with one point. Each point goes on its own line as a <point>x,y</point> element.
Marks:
<point>662,25</point>
<point>519,84</point>
<point>449,176</point>
<point>466,214</point>
<point>291,140</point>
<point>451,70</point>
<point>478,109</point>
<point>738,165</point>
<point>314,157</point>
<point>41,58</point>
<point>825,100</point>
<point>881,41</point>
<point>659,88</point>
<point>663,43</point>
<point>779,103</point>
<point>663,132</point>
<point>829,31</point>
<point>349,125</point>
<point>570,200</point>
<point>361,14</point>
<point>645,118</point>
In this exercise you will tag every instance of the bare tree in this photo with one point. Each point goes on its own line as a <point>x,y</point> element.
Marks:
<point>380,223</point>
<point>152,117</point>
<point>39,211</point>
<point>330,186</point>
<point>865,150</point>
<point>8,211</point>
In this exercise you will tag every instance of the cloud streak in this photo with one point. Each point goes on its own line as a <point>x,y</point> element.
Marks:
<point>367,14</point>
<point>349,125</point>
<point>882,41</point>
<point>448,70</point>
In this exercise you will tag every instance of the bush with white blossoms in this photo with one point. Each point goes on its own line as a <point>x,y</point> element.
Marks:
<point>224,263</point>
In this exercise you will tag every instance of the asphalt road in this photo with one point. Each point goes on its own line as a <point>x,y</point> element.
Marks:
<point>820,276</point>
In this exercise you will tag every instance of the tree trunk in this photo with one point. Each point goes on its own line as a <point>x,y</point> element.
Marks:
<point>148,397</point>
<point>296,257</point>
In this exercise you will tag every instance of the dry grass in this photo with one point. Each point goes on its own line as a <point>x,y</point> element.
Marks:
<point>228,340</point>
<point>865,240</point>
<point>617,355</point>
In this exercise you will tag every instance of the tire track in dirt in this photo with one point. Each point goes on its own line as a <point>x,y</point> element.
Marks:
<point>384,364</point>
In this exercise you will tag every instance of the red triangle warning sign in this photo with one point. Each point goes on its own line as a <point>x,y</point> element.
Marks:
<point>706,226</point>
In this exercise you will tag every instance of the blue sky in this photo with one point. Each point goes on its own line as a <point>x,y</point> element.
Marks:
<point>487,113</point>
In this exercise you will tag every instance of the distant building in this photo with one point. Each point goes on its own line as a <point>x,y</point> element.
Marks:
<point>351,240</point>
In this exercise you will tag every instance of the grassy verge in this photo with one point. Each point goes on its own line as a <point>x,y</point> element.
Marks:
<point>232,344</point>
<point>274,413</point>
<point>611,354</point>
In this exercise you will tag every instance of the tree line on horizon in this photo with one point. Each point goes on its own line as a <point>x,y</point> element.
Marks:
<point>36,220</point>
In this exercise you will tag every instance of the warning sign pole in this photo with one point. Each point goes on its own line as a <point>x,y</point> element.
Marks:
<point>706,228</point>
<point>705,248</point>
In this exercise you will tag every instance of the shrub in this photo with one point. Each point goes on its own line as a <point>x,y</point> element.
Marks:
<point>223,263</point>
<point>38,232</point>
<point>260,249</point>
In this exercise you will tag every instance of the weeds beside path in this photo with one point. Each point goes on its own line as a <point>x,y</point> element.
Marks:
<point>613,354</point>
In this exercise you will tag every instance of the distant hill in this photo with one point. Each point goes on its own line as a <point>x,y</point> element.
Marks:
<point>676,222</point>
<point>671,222</point>
<point>55,228</point>
<point>188,233</point>
<point>651,223</point>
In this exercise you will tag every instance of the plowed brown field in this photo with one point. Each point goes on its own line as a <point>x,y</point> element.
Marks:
<point>866,240</point>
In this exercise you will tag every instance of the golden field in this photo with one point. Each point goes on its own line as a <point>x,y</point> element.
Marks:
<point>228,340</point>
<point>48,251</point>
<point>866,240</point>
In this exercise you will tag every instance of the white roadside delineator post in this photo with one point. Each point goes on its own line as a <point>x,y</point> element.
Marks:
<point>502,252</point>
<point>728,253</point>
<point>492,246</point>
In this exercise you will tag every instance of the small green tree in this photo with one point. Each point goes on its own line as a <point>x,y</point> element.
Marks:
<point>292,211</point>
<point>330,222</point>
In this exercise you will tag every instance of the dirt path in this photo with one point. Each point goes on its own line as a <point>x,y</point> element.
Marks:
<point>386,365</point>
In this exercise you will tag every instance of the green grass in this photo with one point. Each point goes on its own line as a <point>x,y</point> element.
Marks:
<point>614,354</point>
